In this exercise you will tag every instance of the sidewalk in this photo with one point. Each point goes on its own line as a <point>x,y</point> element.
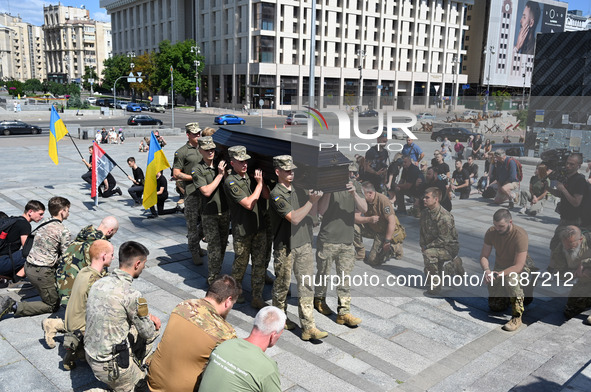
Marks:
<point>406,341</point>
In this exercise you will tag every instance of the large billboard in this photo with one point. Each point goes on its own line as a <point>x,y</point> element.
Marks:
<point>512,32</point>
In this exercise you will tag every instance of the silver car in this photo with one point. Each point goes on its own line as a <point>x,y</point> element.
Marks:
<point>396,132</point>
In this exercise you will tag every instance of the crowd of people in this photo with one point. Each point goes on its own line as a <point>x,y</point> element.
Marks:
<point>107,321</point>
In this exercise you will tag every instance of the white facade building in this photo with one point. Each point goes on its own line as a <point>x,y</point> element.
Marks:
<point>21,49</point>
<point>260,49</point>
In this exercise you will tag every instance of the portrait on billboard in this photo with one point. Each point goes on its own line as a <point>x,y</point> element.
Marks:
<point>527,27</point>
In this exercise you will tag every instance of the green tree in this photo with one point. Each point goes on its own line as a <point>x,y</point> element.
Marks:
<point>146,65</point>
<point>114,68</point>
<point>32,85</point>
<point>180,57</point>
<point>89,73</point>
<point>15,87</point>
<point>499,97</point>
<point>521,116</point>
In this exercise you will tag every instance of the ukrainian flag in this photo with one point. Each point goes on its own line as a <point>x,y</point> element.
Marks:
<point>57,130</point>
<point>156,162</point>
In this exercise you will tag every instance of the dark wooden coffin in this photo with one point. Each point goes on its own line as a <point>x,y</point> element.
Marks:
<point>326,170</point>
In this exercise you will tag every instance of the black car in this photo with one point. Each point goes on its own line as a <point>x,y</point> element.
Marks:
<point>452,134</point>
<point>142,119</point>
<point>18,127</point>
<point>511,149</point>
<point>144,106</point>
<point>368,113</point>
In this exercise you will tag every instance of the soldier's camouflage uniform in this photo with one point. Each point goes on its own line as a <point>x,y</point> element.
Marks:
<point>335,245</point>
<point>579,298</point>
<point>292,248</point>
<point>215,218</point>
<point>113,311</point>
<point>50,241</point>
<point>76,257</point>
<point>439,240</point>
<point>185,159</point>
<point>248,232</point>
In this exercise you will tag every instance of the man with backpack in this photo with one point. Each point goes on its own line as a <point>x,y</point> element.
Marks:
<point>14,232</point>
<point>51,240</point>
<point>507,175</point>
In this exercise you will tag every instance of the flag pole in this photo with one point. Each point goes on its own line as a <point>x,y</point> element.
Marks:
<point>72,139</point>
<point>116,164</point>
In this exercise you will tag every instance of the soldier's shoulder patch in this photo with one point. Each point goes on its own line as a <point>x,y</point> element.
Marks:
<point>277,198</point>
<point>281,204</point>
<point>387,210</point>
<point>235,189</point>
<point>176,153</point>
<point>231,183</point>
<point>192,172</point>
<point>142,307</point>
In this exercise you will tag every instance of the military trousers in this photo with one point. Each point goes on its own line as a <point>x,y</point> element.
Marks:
<point>435,259</point>
<point>43,279</point>
<point>509,291</point>
<point>579,298</point>
<point>215,229</point>
<point>343,257</point>
<point>192,206</point>
<point>246,247</point>
<point>117,378</point>
<point>302,261</point>
<point>376,255</point>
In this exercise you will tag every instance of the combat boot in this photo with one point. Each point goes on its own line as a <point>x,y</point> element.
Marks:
<point>241,299</point>
<point>313,334</point>
<point>290,325</point>
<point>51,326</point>
<point>258,303</point>
<point>6,306</point>
<point>348,319</point>
<point>321,306</point>
<point>513,324</point>
<point>458,266</point>
<point>197,260</point>
<point>69,359</point>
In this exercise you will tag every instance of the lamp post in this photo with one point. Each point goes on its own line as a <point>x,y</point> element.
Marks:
<point>197,51</point>
<point>523,95</point>
<point>491,51</point>
<point>361,54</point>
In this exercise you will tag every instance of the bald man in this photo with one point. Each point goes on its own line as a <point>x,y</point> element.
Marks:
<point>77,256</point>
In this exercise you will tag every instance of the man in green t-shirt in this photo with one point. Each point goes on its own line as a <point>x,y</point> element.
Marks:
<point>215,218</point>
<point>248,230</point>
<point>241,364</point>
<point>335,244</point>
<point>292,243</point>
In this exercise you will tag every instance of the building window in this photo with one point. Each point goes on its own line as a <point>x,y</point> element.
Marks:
<point>265,47</point>
<point>265,16</point>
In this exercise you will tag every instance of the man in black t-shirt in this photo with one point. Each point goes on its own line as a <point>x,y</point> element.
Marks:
<point>162,193</point>
<point>440,167</point>
<point>476,147</point>
<point>12,260</point>
<point>472,169</point>
<point>571,195</point>
<point>408,183</point>
<point>461,181</point>
<point>137,189</point>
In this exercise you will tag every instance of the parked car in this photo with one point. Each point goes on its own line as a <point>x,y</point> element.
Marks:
<point>143,119</point>
<point>453,134</point>
<point>18,127</point>
<point>369,113</point>
<point>297,118</point>
<point>396,132</point>
<point>133,107</point>
<point>107,102</point>
<point>470,113</point>
<point>144,106</point>
<point>426,116</point>
<point>122,104</point>
<point>226,119</point>
<point>157,108</point>
<point>511,149</point>
<point>91,100</point>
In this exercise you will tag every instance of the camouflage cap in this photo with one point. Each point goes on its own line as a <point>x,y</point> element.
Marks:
<point>206,143</point>
<point>193,128</point>
<point>238,153</point>
<point>353,167</point>
<point>284,162</point>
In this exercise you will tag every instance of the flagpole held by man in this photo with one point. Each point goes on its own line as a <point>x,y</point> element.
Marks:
<point>102,165</point>
<point>156,162</point>
<point>57,130</point>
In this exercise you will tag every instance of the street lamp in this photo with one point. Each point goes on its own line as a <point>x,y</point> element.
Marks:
<point>197,51</point>
<point>491,51</point>
<point>131,55</point>
<point>361,54</point>
<point>523,96</point>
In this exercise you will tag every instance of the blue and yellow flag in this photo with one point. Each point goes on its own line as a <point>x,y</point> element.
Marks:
<point>57,130</point>
<point>156,162</point>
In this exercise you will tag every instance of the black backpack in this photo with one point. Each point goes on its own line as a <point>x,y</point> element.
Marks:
<point>5,226</point>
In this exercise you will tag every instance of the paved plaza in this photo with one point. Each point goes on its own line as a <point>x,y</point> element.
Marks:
<point>406,342</point>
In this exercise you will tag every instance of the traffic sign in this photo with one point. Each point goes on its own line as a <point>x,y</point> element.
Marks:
<point>465,87</point>
<point>131,80</point>
<point>380,86</point>
<point>131,75</point>
<point>261,102</point>
<point>139,74</point>
<point>197,89</point>
<point>139,80</point>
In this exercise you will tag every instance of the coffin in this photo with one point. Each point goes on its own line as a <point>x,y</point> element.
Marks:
<point>326,170</point>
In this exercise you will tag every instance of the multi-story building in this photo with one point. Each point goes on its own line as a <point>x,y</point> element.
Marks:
<point>575,21</point>
<point>395,53</point>
<point>73,42</point>
<point>496,54</point>
<point>21,49</point>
